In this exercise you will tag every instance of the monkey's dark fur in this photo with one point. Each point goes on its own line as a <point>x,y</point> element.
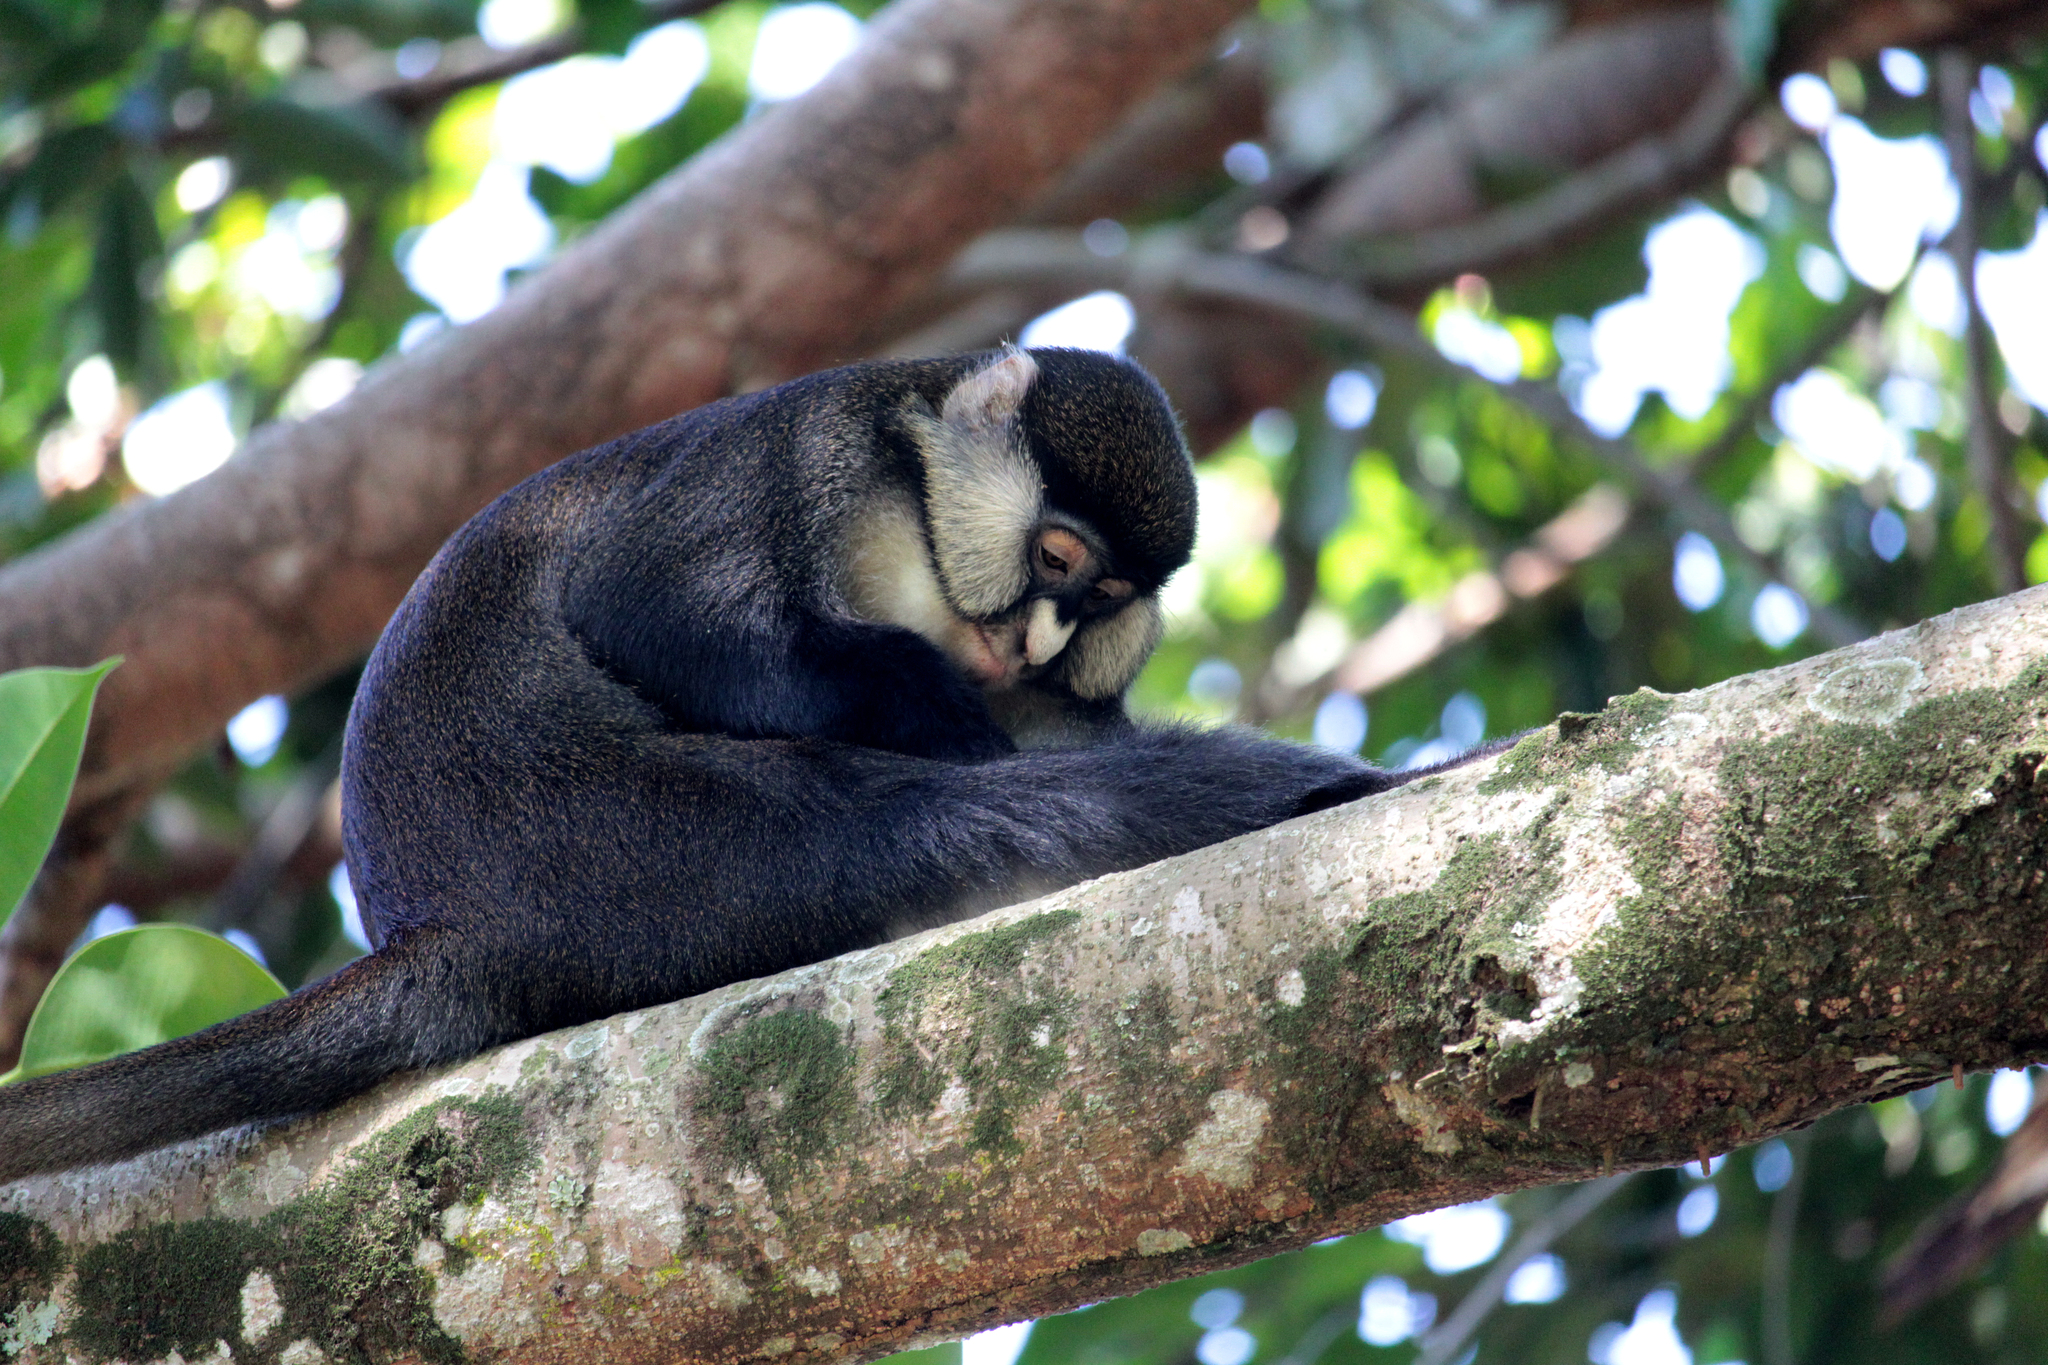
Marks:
<point>626,741</point>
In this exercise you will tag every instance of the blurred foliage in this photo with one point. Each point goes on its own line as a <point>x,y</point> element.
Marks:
<point>225,191</point>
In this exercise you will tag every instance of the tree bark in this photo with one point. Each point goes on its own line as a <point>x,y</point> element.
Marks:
<point>1637,938</point>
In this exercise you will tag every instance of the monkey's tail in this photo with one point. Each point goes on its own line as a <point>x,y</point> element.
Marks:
<point>312,1049</point>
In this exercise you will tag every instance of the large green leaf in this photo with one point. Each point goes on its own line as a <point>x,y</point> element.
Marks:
<point>137,987</point>
<point>42,732</point>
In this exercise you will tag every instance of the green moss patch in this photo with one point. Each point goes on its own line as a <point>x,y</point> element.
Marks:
<point>1804,810</point>
<point>1577,741</point>
<point>1471,924</point>
<point>1012,1052</point>
<point>991,953</point>
<point>1835,835</point>
<point>169,1287</point>
<point>349,1282</point>
<point>779,1087</point>
<point>340,1256</point>
<point>1323,1080</point>
<point>1165,1100</point>
<point>1443,967</point>
<point>31,1258</point>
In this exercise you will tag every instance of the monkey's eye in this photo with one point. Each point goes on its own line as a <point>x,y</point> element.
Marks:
<point>1059,554</point>
<point>1109,590</point>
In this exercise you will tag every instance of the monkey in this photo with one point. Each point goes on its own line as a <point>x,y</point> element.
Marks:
<point>785,676</point>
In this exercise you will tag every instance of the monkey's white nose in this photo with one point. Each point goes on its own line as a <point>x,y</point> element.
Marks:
<point>1045,636</point>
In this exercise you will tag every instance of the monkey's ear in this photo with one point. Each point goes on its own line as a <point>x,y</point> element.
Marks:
<point>982,488</point>
<point>991,395</point>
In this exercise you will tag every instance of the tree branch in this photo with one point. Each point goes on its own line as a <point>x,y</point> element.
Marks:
<point>1626,91</point>
<point>1679,926</point>
<point>1602,91</point>
<point>1422,631</point>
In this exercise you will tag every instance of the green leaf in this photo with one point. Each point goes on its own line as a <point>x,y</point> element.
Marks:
<point>43,712</point>
<point>1605,266</point>
<point>138,987</point>
<point>103,46</point>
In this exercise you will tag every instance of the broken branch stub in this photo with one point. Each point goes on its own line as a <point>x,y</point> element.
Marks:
<point>1679,925</point>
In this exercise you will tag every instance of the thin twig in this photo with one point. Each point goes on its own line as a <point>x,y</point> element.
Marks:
<point>1641,171</point>
<point>1420,632</point>
<point>464,64</point>
<point>1388,328</point>
<point>1956,77</point>
<point>475,64</point>
<point>1450,1336</point>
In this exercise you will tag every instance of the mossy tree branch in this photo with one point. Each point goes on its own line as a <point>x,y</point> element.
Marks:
<point>1637,938</point>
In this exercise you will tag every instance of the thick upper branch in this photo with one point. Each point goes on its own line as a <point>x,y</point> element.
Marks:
<point>1669,929</point>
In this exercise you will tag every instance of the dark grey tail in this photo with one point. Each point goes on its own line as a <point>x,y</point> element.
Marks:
<point>314,1048</point>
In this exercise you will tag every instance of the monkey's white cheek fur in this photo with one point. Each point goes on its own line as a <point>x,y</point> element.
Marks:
<point>1045,637</point>
<point>982,491</point>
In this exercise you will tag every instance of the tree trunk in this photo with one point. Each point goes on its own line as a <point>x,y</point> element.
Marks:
<point>1637,938</point>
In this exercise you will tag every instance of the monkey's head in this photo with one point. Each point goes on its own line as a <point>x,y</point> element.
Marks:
<point>1059,497</point>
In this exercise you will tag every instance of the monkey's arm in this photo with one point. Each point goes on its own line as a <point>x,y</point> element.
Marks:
<point>783,671</point>
<point>792,851</point>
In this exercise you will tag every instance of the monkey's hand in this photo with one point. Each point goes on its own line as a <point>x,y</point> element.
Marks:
<point>883,687</point>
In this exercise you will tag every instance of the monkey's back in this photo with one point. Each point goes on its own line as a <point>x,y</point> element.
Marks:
<point>504,788</point>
